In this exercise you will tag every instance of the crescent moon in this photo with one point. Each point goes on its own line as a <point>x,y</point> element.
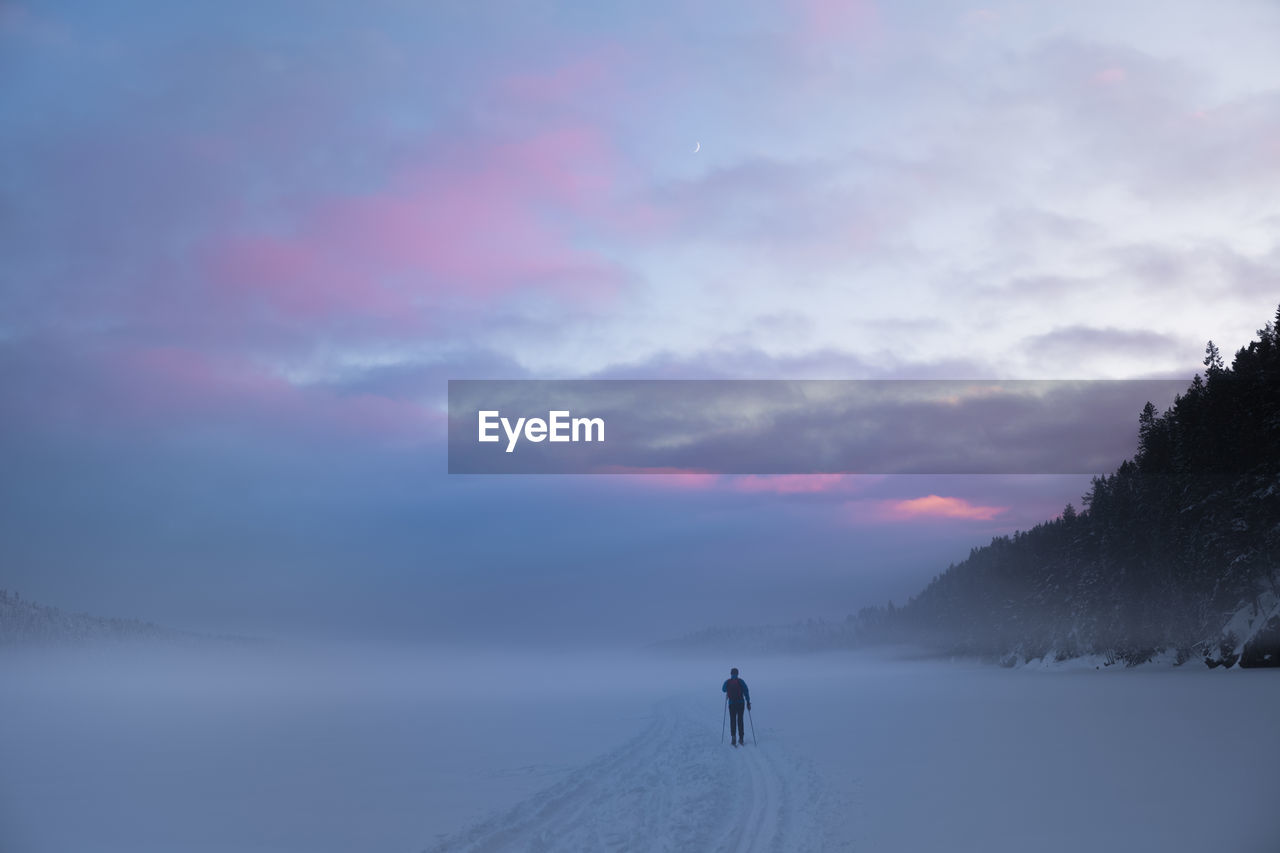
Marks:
<point>697,146</point>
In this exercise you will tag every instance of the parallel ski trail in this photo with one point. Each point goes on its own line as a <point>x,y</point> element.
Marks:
<point>765,817</point>
<point>674,788</point>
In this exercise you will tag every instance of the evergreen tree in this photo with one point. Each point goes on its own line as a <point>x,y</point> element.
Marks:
<point>1212,358</point>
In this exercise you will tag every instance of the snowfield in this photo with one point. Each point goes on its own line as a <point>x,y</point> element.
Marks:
<point>454,750</point>
<point>667,789</point>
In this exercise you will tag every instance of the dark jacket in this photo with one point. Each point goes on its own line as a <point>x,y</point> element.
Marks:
<point>746,694</point>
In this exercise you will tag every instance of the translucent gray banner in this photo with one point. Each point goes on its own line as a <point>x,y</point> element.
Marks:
<point>608,426</point>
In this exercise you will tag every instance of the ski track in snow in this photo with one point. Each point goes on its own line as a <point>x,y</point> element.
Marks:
<point>675,787</point>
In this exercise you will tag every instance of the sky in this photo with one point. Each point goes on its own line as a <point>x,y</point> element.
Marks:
<point>245,247</point>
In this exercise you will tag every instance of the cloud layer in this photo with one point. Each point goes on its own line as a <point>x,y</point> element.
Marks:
<point>244,252</point>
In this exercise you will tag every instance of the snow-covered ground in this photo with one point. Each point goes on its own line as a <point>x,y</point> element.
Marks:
<point>269,750</point>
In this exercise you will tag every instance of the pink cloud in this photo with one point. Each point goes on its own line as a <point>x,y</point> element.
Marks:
<point>1112,76</point>
<point>469,224</point>
<point>678,479</point>
<point>560,85</point>
<point>832,20</point>
<point>685,479</point>
<point>790,484</point>
<point>937,506</point>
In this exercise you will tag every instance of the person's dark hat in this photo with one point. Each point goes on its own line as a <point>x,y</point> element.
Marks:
<point>733,671</point>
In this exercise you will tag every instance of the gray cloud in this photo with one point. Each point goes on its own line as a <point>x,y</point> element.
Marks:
<point>1076,340</point>
<point>803,427</point>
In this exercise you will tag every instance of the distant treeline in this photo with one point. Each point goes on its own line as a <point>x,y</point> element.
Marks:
<point>26,623</point>
<point>1179,549</point>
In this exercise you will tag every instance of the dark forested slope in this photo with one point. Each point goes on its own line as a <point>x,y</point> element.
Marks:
<point>1177,549</point>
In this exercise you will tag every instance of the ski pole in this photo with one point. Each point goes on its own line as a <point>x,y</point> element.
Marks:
<point>725,717</point>
<point>753,727</point>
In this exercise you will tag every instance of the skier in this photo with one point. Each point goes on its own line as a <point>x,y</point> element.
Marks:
<point>736,693</point>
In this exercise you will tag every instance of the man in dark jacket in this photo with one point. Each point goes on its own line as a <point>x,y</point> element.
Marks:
<point>737,694</point>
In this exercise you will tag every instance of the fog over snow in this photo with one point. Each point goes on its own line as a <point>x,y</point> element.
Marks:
<point>395,748</point>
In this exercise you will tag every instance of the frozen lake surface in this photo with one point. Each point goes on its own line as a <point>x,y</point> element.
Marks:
<point>405,750</point>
